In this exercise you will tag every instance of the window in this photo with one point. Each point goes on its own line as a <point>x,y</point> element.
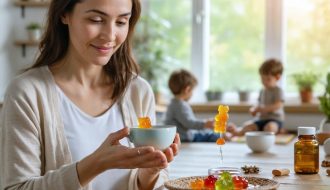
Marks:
<point>308,42</point>
<point>236,44</point>
<point>232,38</point>
<point>169,39</point>
<point>178,14</point>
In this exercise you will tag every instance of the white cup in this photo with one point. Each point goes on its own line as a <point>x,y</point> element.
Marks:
<point>326,146</point>
<point>259,141</point>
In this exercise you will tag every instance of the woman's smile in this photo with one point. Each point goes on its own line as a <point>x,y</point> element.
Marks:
<point>103,49</point>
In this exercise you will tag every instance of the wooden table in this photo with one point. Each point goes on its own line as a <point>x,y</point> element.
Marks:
<point>194,159</point>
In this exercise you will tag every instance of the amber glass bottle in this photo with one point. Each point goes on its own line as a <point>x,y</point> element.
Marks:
<point>306,152</point>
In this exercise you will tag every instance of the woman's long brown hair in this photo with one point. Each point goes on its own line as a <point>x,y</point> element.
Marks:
<point>121,68</point>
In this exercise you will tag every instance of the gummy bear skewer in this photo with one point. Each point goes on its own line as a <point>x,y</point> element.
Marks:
<point>221,155</point>
<point>220,123</point>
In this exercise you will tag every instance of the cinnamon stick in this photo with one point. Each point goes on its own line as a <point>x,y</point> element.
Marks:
<point>280,172</point>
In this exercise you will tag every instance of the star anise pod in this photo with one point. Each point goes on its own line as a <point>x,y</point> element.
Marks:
<point>325,163</point>
<point>250,169</point>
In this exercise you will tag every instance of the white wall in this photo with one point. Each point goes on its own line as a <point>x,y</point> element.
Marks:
<point>13,27</point>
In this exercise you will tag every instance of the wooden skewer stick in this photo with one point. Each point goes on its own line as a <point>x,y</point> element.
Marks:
<point>280,172</point>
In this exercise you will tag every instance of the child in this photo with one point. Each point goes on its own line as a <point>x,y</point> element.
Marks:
<point>269,111</point>
<point>180,114</point>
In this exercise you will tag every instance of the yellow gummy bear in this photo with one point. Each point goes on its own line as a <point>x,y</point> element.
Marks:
<point>221,119</point>
<point>144,122</point>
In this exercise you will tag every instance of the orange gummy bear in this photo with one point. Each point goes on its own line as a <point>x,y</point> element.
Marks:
<point>197,184</point>
<point>144,122</point>
<point>221,141</point>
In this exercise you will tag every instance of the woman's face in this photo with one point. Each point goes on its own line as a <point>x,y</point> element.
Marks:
<point>97,28</point>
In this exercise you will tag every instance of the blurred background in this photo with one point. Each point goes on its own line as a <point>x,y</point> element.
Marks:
<point>222,42</point>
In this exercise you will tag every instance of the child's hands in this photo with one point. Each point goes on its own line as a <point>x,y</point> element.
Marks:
<point>254,110</point>
<point>209,124</point>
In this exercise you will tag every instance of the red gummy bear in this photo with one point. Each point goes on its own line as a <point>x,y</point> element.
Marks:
<point>240,182</point>
<point>209,182</point>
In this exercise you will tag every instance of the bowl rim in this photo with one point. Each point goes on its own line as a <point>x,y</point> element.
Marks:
<point>259,133</point>
<point>155,127</point>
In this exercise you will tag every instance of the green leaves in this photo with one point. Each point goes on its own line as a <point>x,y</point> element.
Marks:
<point>33,26</point>
<point>305,80</point>
<point>150,48</point>
<point>325,99</point>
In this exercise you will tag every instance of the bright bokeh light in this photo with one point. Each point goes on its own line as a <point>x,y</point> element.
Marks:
<point>308,41</point>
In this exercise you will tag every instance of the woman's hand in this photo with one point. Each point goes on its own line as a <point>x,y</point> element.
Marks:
<point>111,154</point>
<point>149,175</point>
<point>173,150</point>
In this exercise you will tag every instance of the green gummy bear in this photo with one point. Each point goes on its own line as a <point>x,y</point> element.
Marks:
<point>225,182</point>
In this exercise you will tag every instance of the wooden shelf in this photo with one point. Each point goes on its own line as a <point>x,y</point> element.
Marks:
<point>312,108</point>
<point>30,3</point>
<point>24,43</point>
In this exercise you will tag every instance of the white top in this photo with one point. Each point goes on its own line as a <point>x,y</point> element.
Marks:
<point>306,131</point>
<point>85,134</point>
<point>31,120</point>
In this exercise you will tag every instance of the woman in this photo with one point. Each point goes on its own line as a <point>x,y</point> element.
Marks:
<point>58,115</point>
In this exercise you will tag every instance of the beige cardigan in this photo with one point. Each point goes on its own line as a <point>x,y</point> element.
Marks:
<point>34,152</point>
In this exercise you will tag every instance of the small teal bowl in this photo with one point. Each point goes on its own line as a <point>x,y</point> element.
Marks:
<point>159,136</point>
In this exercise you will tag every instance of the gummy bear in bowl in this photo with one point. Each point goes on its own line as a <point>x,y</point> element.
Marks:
<point>144,122</point>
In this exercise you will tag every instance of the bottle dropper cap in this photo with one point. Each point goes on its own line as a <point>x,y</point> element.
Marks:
<point>306,131</point>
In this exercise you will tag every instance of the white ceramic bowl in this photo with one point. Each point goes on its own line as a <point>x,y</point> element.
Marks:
<point>159,136</point>
<point>259,141</point>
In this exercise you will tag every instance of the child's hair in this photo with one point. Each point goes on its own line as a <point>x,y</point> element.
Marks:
<point>271,67</point>
<point>181,79</point>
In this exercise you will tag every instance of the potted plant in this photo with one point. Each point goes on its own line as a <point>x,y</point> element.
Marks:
<point>305,82</point>
<point>34,31</point>
<point>150,47</point>
<point>243,95</point>
<point>214,94</point>
<point>324,129</point>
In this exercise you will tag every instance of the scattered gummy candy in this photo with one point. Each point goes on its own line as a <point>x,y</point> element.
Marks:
<point>209,182</point>
<point>144,122</point>
<point>225,182</point>
<point>197,184</point>
<point>240,182</point>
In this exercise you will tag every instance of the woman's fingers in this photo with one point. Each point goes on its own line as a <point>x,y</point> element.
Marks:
<point>169,154</point>
<point>143,157</point>
<point>154,160</point>
<point>177,139</point>
<point>114,138</point>
<point>175,149</point>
